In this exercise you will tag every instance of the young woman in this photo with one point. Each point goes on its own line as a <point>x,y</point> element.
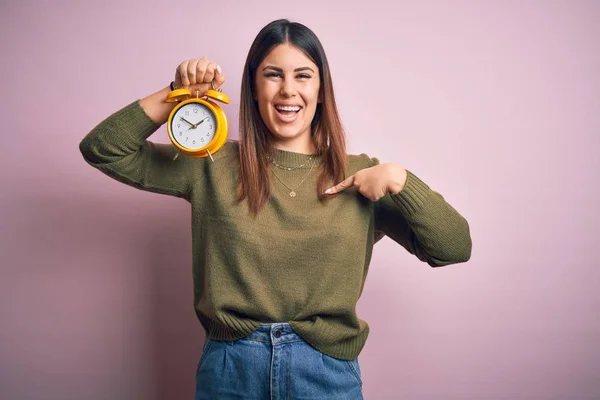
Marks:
<point>284,221</point>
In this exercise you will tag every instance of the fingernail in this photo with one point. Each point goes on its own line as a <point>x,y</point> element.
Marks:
<point>328,191</point>
<point>219,69</point>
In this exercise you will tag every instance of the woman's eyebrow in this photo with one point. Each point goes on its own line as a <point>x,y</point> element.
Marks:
<point>281,70</point>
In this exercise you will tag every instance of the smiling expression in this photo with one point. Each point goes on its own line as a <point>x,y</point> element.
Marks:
<point>287,92</point>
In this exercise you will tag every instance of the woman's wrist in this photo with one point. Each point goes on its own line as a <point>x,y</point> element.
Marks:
<point>156,107</point>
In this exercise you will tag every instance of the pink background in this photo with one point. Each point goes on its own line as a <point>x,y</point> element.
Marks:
<point>495,104</point>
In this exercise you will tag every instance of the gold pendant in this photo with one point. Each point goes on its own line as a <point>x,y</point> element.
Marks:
<point>292,194</point>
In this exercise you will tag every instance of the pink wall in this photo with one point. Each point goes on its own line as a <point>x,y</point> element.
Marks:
<point>495,104</point>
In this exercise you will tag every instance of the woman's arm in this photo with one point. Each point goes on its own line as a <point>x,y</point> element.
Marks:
<point>411,213</point>
<point>420,219</point>
<point>118,145</point>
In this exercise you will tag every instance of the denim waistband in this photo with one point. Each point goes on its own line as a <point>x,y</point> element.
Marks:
<point>278,332</point>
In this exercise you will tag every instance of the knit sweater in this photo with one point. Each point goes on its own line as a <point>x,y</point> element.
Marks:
<point>299,260</point>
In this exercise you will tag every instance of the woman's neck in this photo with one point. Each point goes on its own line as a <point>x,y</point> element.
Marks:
<point>296,146</point>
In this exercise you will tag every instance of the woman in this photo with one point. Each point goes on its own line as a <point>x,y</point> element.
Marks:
<point>283,221</point>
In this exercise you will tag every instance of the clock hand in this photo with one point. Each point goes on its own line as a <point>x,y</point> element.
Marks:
<point>193,126</point>
<point>201,121</point>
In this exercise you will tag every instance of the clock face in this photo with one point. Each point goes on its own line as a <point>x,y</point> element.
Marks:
<point>193,126</point>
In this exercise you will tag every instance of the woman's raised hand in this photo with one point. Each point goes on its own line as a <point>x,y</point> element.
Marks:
<point>197,74</point>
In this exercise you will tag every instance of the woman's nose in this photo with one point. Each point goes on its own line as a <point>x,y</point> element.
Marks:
<point>287,87</point>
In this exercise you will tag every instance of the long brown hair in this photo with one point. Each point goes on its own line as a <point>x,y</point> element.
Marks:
<point>255,143</point>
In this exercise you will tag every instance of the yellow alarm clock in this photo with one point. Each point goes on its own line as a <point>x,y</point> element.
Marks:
<point>197,126</point>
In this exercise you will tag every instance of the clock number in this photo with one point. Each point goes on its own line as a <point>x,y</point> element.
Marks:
<point>179,125</point>
<point>187,113</point>
<point>193,142</point>
<point>202,140</point>
<point>195,111</point>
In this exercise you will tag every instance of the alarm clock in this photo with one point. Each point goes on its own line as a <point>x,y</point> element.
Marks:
<point>197,126</point>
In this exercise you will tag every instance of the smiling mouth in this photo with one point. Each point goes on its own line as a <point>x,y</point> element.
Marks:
<point>287,110</point>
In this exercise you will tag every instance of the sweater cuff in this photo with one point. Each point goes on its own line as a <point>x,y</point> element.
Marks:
<point>413,196</point>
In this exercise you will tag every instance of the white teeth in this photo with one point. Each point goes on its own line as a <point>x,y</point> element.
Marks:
<point>288,108</point>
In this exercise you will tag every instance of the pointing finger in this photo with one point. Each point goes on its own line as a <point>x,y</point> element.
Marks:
<point>345,184</point>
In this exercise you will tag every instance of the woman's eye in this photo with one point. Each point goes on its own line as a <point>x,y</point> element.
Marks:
<point>278,75</point>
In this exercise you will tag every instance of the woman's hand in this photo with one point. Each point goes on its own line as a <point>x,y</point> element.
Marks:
<point>197,74</point>
<point>375,182</point>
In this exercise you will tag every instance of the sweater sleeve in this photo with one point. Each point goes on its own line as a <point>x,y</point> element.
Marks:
<point>420,219</point>
<point>118,147</point>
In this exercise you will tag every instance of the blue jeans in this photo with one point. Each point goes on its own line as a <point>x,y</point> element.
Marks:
<point>274,363</point>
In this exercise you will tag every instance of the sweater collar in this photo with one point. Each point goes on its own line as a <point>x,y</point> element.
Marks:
<point>293,159</point>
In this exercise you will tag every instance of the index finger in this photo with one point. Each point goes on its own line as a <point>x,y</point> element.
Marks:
<point>345,184</point>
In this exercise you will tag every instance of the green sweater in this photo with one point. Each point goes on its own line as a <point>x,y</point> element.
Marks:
<point>298,261</point>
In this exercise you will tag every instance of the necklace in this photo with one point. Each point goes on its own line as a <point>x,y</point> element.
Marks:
<point>293,191</point>
<point>289,168</point>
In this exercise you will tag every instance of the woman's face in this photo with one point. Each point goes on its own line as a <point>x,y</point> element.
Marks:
<point>287,92</point>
